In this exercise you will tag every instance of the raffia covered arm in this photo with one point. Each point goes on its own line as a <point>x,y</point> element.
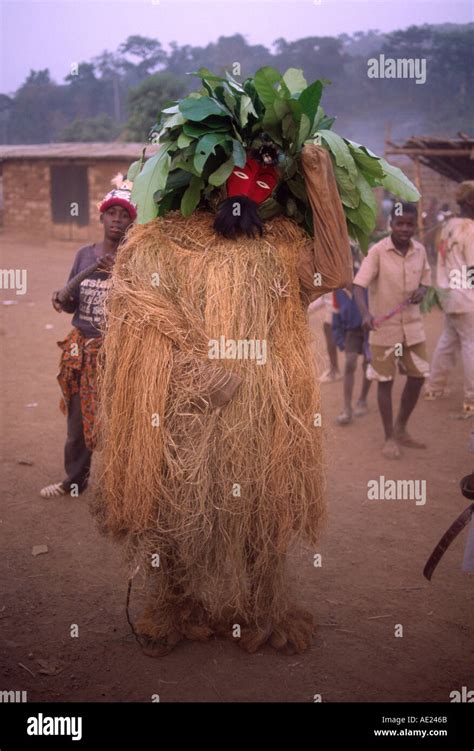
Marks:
<point>325,263</point>
<point>208,381</point>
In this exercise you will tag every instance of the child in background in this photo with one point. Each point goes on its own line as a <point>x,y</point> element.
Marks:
<point>326,303</point>
<point>80,350</point>
<point>351,338</point>
<point>397,274</point>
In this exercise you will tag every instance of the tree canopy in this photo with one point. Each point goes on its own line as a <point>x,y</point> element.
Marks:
<point>118,94</point>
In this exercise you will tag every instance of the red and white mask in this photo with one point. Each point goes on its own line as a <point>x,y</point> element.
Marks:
<point>256,181</point>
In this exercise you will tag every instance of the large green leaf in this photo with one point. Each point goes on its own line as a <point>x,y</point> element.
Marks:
<point>309,101</point>
<point>246,109</point>
<point>369,164</point>
<point>350,196</point>
<point>173,122</point>
<point>195,130</point>
<point>288,166</point>
<point>178,178</point>
<point>366,194</point>
<point>220,175</point>
<point>289,129</point>
<point>191,196</point>
<point>239,153</point>
<point>229,98</point>
<point>187,165</point>
<point>305,127</point>
<point>184,140</point>
<point>398,183</point>
<point>233,83</point>
<point>340,151</point>
<point>153,177</point>
<point>206,146</point>
<point>198,109</point>
<point>264,81</point>
<point>211,78</point>
<point>357,234</point>
<point>134,170</point>
<point>298,188</point>
<point>363,217</point>
<point>295,80</point>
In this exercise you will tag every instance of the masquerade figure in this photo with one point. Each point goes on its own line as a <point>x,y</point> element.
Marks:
<point>210,438</point>
<point>83,296</point>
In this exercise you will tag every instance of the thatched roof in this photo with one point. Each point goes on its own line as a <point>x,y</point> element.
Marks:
<point>453,158</point>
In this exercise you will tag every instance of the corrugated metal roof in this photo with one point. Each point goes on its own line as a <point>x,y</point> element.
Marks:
<point>93,150</point>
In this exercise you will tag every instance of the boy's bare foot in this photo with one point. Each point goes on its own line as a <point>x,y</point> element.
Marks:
<point>391,450</point>
<point>330,376</point>
<point>345,418</point>
<point>361,409</point>
<point>405,439</point>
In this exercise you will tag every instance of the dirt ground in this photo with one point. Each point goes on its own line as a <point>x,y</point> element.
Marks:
<point>373,552</point>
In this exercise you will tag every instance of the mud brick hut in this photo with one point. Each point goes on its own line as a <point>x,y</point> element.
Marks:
<point>53,189</point>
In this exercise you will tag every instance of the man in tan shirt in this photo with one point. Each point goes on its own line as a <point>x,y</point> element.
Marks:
<point>397,275</point>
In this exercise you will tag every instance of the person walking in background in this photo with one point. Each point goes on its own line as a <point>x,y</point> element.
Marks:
<point>351,338</point>
<point>397,275</point>
<point>455,276</point>
<point>325,302</point>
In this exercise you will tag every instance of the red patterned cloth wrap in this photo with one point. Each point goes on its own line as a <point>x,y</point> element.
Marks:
<point>78,374</point>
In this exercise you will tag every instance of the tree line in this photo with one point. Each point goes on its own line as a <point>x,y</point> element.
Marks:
<point>117,95</point>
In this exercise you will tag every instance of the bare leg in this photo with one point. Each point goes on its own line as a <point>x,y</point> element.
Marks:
<point>349,375</point>
<point>365,384</point>
<point>408,401</point>
<point>331,347</point>
<point>384,398</point>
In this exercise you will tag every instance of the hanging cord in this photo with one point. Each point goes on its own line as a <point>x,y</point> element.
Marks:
<point>144,644</point>
<point>127,612</point>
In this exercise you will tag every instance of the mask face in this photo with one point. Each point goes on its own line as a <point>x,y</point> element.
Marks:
<point>256,181</point>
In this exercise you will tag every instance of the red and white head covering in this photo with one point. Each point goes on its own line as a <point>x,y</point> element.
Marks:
<point>119,196</point>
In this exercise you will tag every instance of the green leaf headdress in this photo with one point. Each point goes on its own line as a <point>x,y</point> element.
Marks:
<point>208,133</point>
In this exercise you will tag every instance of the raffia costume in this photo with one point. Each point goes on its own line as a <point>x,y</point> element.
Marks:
<point>209,430</point>
<point>215,466</point>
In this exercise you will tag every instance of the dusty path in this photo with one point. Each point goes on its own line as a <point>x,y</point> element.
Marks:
<point>373,553</point>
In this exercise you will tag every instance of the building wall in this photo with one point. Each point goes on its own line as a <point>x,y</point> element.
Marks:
<point>26,202</point>
<point>436,189</point>
<point>27,198</point>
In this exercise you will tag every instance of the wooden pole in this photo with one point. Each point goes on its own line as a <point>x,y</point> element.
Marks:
<point>391,150</point>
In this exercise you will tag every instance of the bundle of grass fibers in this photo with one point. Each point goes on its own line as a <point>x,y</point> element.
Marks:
<point>220,495</point>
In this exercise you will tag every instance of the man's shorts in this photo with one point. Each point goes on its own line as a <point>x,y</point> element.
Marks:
<point>354,341</point>
<point>412,361</point>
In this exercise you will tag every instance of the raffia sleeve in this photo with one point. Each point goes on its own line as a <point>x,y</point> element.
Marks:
<point>325,263</point>
<point>203,380</point>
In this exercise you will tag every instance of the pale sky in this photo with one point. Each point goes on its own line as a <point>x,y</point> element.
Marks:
<point>55,34</point>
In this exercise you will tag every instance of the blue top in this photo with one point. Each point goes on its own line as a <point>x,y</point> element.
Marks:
<point>346,317</point>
